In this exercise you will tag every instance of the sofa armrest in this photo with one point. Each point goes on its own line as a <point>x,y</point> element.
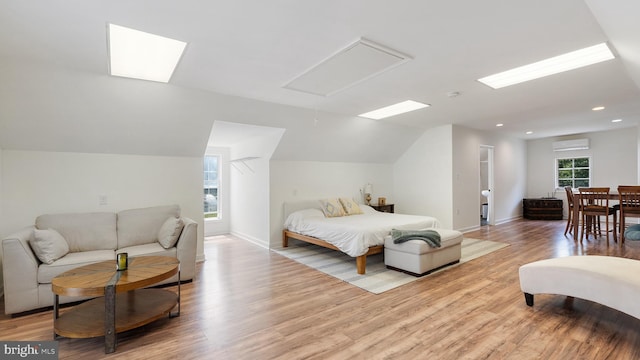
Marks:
<point>186,249</point>
<point>20,272</point>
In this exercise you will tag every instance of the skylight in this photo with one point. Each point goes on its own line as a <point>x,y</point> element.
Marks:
<point>140,55</point>
<point>392,110</point>
<point>565,62</point>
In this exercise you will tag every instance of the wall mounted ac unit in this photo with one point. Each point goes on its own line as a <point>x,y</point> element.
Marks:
<point>566,145</point>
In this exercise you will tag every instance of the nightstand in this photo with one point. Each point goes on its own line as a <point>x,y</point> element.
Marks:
<point>388,208</point>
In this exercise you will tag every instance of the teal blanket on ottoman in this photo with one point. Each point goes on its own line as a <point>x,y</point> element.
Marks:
<point>431,237</point>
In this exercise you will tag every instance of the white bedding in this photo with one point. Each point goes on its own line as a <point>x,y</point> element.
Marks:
<point>354,234</point>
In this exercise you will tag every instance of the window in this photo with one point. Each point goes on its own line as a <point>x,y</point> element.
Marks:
<point>574,172</point>
<point>211,186</point>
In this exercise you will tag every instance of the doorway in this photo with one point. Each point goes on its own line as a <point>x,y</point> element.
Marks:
<point>486,192</point>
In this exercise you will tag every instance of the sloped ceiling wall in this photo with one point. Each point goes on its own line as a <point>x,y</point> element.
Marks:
<point>51,108</point>
<point>619,21</point>
<point>55,109</point>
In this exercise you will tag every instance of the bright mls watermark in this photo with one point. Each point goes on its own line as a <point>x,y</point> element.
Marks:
<point>32,350</point>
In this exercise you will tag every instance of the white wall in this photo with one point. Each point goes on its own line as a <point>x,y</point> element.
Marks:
<point>422,177</point>
<point>250,186</point>
<point>35,183</point>
<point>249,211</point>
<point>614,161</point>
<point>421,181</point>
<point>221,224</point>
<point>510,176</point>
<point>309,180</point>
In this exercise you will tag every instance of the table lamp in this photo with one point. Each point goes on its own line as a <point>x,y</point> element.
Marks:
<point>368,189</point>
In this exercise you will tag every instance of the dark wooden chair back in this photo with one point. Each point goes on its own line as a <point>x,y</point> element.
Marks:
<point>594,200</point>
<point>629,205</point>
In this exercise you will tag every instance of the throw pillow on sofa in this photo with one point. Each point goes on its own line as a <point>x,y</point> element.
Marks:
<point>49,245</point>
<point>170,231</point>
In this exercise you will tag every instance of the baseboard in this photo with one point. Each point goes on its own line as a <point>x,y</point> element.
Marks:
<point>251,239</point>
<point>508,220</point>
<point>499,222</point>
<point>469,229</point>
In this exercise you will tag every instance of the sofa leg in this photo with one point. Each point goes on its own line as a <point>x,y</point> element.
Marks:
<point>528,298</point>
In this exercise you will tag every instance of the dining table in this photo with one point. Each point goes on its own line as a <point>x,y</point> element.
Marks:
<point>613,195</point>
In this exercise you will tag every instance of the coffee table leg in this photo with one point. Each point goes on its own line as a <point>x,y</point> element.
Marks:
<point>109,319</point>
<point>56,315</point>
<point>172,315</point>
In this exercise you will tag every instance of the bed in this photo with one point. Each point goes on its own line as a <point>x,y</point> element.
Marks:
<point>355,235</point>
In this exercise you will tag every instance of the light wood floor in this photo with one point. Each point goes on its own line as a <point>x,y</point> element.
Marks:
<point>250,303</point>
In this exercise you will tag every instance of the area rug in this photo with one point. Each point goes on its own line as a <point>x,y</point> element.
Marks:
<point>378,278</point>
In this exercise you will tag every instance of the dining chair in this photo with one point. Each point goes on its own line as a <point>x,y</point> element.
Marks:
<point>570,203</point>
<point>629,206</point>
<point>594,202</point>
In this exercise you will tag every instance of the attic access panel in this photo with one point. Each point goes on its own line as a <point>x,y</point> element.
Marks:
<point>357,62</point>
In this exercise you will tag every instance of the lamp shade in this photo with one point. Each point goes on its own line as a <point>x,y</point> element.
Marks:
<point>368,189</point>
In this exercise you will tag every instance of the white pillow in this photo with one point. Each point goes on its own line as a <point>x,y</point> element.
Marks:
<point>170,231</point>
<point>295,219</point>
<point>49,245</point>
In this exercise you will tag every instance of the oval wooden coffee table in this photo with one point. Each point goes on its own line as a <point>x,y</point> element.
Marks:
<point>121,304</point>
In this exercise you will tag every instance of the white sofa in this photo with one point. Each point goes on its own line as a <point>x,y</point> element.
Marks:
<point>90,238</point>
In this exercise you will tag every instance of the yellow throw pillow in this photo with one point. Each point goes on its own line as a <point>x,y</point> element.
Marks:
<point>332,208</point>
<point>350,206</point>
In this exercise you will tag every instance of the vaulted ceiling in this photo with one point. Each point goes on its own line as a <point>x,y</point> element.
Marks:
<point>56,94</point>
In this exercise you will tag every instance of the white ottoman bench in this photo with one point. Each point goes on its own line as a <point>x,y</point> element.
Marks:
<point>417,258</point>
<point>608,280</point>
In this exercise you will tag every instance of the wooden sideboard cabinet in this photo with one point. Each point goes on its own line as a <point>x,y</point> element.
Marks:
<point>542,209</point>
<point>383,208</point>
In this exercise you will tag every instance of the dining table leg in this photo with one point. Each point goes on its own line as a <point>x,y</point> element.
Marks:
<point>576,219</point>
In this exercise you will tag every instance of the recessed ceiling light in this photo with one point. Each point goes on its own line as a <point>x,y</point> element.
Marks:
<point>565,62</point>
<point>499,125</point>
<point>529,132</point>
<point>140,55</point>
<point>396,109</point>
<point>616,120</point>
<point>598,108</point>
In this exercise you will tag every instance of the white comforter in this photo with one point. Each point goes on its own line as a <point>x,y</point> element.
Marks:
<point>354,234</point>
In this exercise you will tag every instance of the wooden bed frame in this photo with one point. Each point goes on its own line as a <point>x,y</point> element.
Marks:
<point>361,261</point>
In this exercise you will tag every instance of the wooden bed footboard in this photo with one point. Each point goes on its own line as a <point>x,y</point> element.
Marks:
<point>361,261</point>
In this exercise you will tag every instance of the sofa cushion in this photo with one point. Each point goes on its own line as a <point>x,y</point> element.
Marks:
<point>83,232</point>
<point>153,249</point>
<point>49,245</point>
<point>70,261</point>
<point>170,231</point>
<point>141,226</point>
